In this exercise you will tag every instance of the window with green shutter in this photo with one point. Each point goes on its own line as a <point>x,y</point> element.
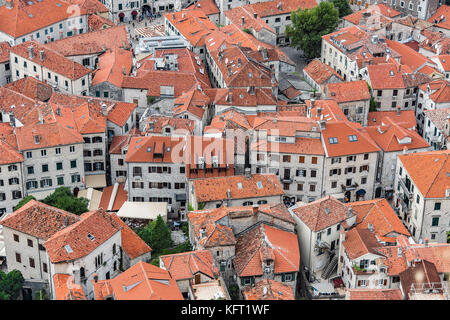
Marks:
<point>437,206</point>
<point>75,178</point>
<point>60,181</point>
<point>30,170</point>
<point>73,163</point>
<point>44,167</point>
<point>435,222</point>
<point>59,166</point>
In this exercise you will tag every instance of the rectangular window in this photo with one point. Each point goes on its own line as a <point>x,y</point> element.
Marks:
<point>44,167</point>
<point>314,160</point>
<point>59,166</point>
<point>301,159</point>
<point>18,258</point>
<point>44,267</point>
<point>60,181</point>
<point>435,222</point>
<point>30,243</point>
<point>16,237</point>
<point>31,262</point>
<point>437,206</point>
<point>73,163</point>
<point>30,170</point>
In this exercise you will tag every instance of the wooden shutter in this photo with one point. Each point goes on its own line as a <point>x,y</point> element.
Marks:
<point>359,283</point>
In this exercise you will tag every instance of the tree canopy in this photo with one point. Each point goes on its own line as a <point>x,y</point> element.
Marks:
<point>10,285</point>
<point>157,235</point>
<point>343,7</point>
<point>64,199</point>
<point>309,25</point>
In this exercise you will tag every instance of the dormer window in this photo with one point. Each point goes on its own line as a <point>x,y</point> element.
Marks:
<point>333,140</point>
<point>352,138</point>
<point>90,237</point>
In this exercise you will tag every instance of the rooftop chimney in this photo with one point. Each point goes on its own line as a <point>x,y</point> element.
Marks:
<point>203,232</point>
<point>349,212</point>
<point>319,111</point>
<point>95,277</point>
<point>66,222</point>
<point>255,15</point>
<point>399,252</point>
<point>247,173</point>
<point>242,20</point>
<point>255,208</point>
<point>41,55</point>
<point>370,227</point>
<point>228,197</point>
<point>425,242</point>
<point>397,111</point>
<point>31,52</point>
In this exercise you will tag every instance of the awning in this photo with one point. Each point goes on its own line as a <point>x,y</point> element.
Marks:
<point>360,192</point>
<point>121,15</point>
<point>96,181</point>
<point>143,210</point>
<point>134,13</point>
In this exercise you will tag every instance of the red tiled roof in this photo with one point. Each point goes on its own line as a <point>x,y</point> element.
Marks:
<point>429,171</point>
<point>380,214</point>
<point>91,6</point>
<point>342,130</point>
<point>348,91</point>
<point>265,242</point>
<point>92,42</point>
<point>98,223</point>
<point>442,94</point>
<point>113,66</point>
<point>406,118</point>
<point>142,281</point>
<point>182,266</point>
<point>377,10</point>
<point>320,72</point>
<point>53,60</point>
<point>66,289</point>
<point>96,22</point>
<point>441,18</point>
<point>120,112</point>
<point>9,154</point>
<point>390,136</point>
<point>444,59</point>
<point>4,51</point>
<point>272,8</point>
<point>24,18</point>
<point>359,242</point>
<point>423,276</point>
<point>119,199</point>
<point>235,15</point>
<point>385,76</point>
<point>156,124</point>
<point>267,289</point>
<point>375,294</point>
<point>32,88</point>
<point>213,189</point>
<point>142,149</point>
<point>119,142</point>
<point>49,135</point>
<point>194,25</point>
<point>194,101</point>
<point>322,213</point>
<point>39,220</point>
<point>209,7</point>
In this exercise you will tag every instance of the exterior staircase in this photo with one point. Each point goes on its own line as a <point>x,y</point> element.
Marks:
<point>330,267</point>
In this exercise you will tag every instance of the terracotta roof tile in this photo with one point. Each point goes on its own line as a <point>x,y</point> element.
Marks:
<point>142,149</point>
<point>96,22</point>
<point>267,289</point>
<point>157,124</point>
<point>235,15</point>
<point>272,8</point>
<point>375,294</point>
<point>213,189</point>
<point>66,288</point>
<point>119,199</point>
<point>39,220</point>
<point>53,60</point>
<point>348,91</point>
<point>186,265</point>
<point>113,66</point>
<point>142,281</point>
<point>359,242</point>
<point>377,10</point>
<point>441,18</point>
<point>31,88</point>
<point>25,18</point>
<point>209,7</point>
<point>194,25</point>
<point>92,42</point>
<point>4,51</point>
<point>265,242</point>
<point>406,118</point>
<point>429,171</point>
<point>322,213</point>
<point>97,223</point>
<point>422,276</point>
<point>320,72</point>
<point>380,214</point>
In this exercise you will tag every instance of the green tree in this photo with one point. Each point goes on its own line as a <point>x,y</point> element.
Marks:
<point>343,7</point>
<point>64,199</point>
<point>157,235</point>
<point>309,25</point>
<point>10,285</point>
<point>24,201</point>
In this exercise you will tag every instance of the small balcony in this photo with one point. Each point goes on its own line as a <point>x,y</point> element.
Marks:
<point>286,179</point>
<point>405,188</point>
<point>350,187</point>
